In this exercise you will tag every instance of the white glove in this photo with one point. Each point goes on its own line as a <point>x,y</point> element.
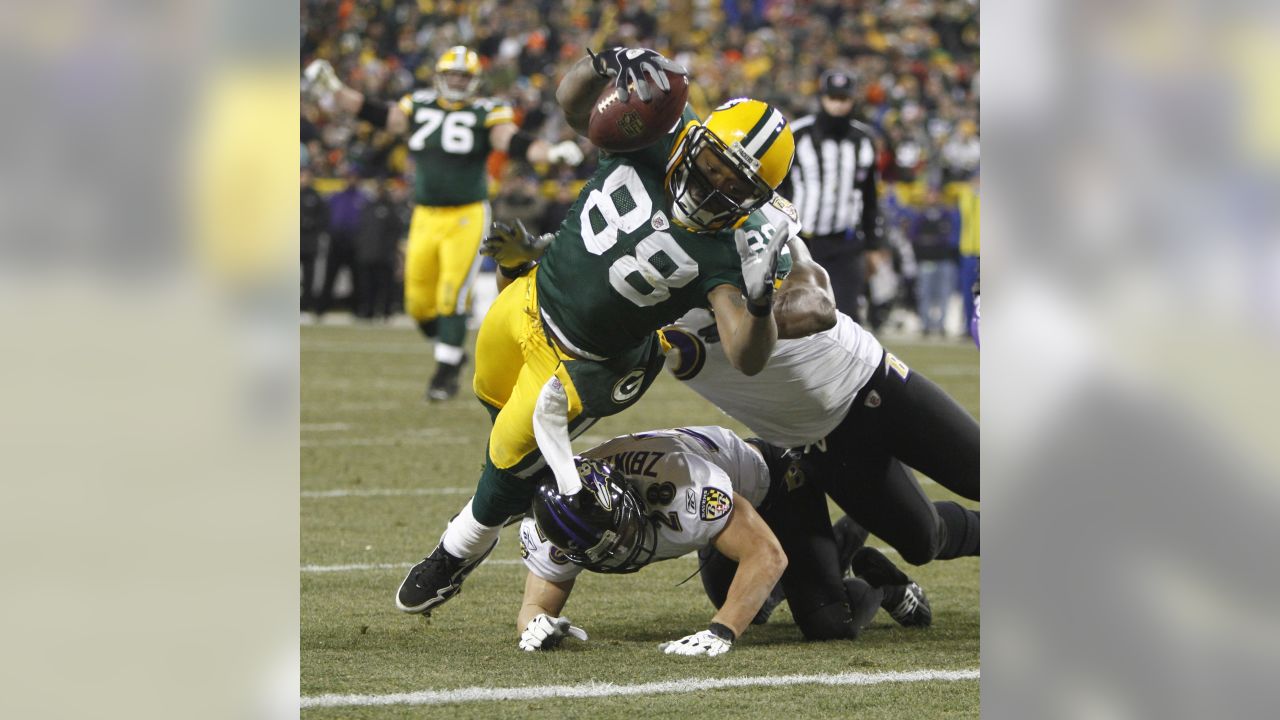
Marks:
<point>760,268</point>
<point>702,643</point>
<point>513,245</point>
<point>320,82</point>
<point>545,632</point>
<point>566,152</point>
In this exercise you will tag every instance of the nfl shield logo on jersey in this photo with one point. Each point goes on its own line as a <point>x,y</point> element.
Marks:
<point>715,504</point>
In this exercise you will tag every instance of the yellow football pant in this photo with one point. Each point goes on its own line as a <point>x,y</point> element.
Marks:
<point>513,361</point>
<point>442,259</point>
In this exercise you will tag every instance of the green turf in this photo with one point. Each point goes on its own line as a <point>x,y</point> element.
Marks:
<point>365,427</point>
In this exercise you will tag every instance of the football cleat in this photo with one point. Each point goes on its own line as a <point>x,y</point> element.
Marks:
<point>444,384</point>
<point>434,580</point>
<point>909,606</point>
<point>904,600</point>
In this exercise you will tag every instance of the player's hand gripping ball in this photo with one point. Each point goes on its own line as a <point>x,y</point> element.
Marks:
<point>643,103</point>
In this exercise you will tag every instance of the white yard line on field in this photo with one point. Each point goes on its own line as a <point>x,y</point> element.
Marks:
<point>604,689</point>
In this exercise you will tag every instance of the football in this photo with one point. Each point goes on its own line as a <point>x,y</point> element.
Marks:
<point>619,126</point>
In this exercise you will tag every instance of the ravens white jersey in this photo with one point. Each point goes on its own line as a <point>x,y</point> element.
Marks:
<point>686,478</point>
<point>800,396</point>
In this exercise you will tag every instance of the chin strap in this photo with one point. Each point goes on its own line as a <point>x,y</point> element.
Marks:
<point>551,430</point>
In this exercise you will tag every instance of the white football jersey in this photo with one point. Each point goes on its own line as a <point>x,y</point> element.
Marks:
<point>800,396</point>
<point>686,477</point>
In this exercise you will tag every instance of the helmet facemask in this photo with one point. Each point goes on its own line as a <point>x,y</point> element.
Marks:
<point>603,527</point>
<point>456,85</point>
<point>713,185</point>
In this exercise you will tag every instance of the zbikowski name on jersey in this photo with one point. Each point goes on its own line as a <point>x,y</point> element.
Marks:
<point>686,478</point>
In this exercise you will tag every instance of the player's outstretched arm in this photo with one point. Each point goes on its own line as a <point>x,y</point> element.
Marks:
<point>542,596</point>
<point>321,84</point>
<point>744,318</point>
<point>578,91</point>
<point>539,623</point>
<point>748,540</point>
<point>508,138</point>
<point>805,303</point>
<point>748,339</point>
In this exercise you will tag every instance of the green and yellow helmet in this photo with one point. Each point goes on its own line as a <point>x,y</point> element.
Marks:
<point>458,74</point>
<point>728,167</point>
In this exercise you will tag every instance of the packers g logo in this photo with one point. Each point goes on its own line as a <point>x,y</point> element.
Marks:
<point>715,504</point>
<point>628,387</point>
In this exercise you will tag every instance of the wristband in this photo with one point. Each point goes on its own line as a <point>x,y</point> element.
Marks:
<point>721,631</point>
<point>375,113</point>
<point>519,145</point>
<point>517,271</point>
<point>760,311</point>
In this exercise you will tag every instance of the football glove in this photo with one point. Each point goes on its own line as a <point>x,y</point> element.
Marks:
<point>513,246</point>
<point>566,152</point>
<point>702,643</point>
<point>320,82</point>
<point>629,65</point>
<point>760,269</point>
<point>545,632</point>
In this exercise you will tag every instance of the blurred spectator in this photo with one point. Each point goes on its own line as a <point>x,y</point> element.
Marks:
<point>344,222</point>
<point>917,62</point>
<point>315,218</point>
<point>556,210</point>
<point>932,229</point>
<point>833,182</point>
<point>961,154</point>
<point>968,199</point>
<point>519,200</point>
<point>381,227</point>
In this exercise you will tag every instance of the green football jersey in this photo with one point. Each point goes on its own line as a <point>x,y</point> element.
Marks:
<point>450,146</point>
<point>619,269</point>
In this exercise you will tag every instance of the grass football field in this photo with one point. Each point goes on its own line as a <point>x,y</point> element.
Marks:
<point>382,473</point>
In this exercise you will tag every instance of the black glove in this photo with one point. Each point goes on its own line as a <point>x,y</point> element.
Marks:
<point>629,65</point>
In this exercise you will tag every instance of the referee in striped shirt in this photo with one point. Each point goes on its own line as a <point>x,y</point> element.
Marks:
<point>833,185</point>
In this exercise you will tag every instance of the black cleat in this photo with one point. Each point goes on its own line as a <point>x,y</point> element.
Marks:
<point>444,384</point>
<point>904,600</point>
<point>908,605</point>
<point>434,580</point>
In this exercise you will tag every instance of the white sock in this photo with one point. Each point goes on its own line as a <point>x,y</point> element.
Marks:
<point>466,538</point>
<point>448,354</point>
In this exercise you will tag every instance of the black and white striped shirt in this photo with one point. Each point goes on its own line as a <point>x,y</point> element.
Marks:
<point>833,179</point>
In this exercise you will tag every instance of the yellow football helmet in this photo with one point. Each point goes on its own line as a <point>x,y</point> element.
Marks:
<point>458,74</point>
<point>728,167</point>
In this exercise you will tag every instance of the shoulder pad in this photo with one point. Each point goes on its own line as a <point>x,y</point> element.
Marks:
<point>424,95</point>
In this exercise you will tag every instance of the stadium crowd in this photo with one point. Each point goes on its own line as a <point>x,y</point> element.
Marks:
<point>915,63</point>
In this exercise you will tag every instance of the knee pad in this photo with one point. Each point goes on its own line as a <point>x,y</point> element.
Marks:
<point>829,622</point>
